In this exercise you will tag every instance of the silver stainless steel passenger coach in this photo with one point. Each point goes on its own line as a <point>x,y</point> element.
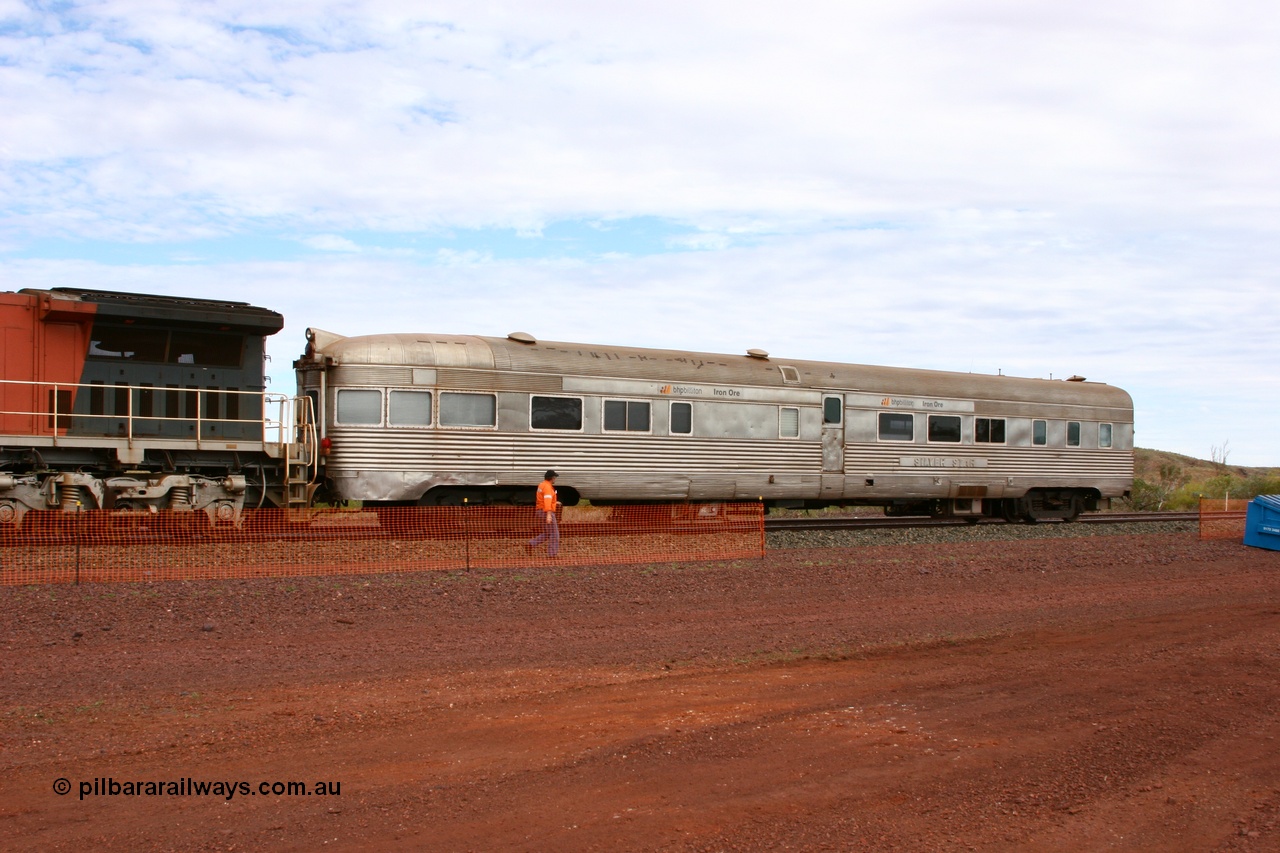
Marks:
<point>436,419</point>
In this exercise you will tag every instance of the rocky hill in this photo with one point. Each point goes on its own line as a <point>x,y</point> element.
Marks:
<point>1147,464</point>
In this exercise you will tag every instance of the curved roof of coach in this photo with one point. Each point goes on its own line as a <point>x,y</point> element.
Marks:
<point>557,357</point>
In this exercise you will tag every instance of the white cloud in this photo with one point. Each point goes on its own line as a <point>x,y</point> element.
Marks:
<point>331,243</point>
<point>346,114</point>
<point>971,185</point>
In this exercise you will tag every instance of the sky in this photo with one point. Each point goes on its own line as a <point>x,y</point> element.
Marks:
<point>988,186</point>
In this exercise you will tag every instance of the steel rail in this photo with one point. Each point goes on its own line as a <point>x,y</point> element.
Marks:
<point>777,525</point>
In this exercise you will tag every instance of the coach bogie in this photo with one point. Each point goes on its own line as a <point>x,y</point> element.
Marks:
<point>1043,504</point>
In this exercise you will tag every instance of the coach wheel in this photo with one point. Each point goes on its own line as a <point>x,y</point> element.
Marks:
<point>1075,504</point>
<point>1011,512</point>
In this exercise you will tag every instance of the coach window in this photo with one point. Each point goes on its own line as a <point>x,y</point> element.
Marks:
<point>409,408</point>
<point>474,410</point>
<point>832,410</point>
<point>555,413</point>
<point>359,407</point>
<point>789,422</point>
<point>681,418</point>
<point>988,430</point>
<point>895,426</point>
<point>626,415</point>
<point>1073,433</point>
<point>1040,433</point>
<point>944,428</point>
<point>1104,435</point>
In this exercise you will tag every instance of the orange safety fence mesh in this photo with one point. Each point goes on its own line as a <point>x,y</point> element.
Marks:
<point>113,546</point>
<point>1222,519</point>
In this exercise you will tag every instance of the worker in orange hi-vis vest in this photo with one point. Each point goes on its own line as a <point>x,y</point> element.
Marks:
<point>546,505</point>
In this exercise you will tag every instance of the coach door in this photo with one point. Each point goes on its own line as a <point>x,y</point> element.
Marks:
<point>833,435</point>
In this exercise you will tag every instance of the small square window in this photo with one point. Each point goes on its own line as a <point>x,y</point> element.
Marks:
<point>1040,433</point>
<point>1073,433</point>
<point>409,408</point>
<point>626,416</point>
<point>458,409</point>
<point>832,410</point>
<point>359,406</point>
<point>681,418</point>
<point>897,426</point>
<point>988,430</point>
<point>1104,435</point>
<point>555,413</point>
<point>789,422</point>
<point>944,428</point>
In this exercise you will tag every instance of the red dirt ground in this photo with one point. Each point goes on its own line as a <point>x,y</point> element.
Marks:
<point>1103,693</point>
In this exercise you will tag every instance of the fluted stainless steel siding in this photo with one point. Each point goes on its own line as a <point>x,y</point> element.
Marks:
<point>1022,462</point>
<point>440,450</point>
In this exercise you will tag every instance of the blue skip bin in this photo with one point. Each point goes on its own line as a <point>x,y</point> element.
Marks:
<point>1262,523</point>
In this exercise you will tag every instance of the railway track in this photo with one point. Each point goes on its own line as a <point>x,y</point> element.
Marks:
<point>107,528</point>
<point>880,522</point>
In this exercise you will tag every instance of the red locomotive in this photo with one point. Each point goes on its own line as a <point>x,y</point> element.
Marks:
<point>136,402</point>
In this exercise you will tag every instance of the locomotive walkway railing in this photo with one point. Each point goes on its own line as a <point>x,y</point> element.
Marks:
<point>140,547</point>
<point>57,410</point>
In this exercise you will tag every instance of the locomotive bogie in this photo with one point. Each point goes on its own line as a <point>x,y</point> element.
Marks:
<point>221,499</point>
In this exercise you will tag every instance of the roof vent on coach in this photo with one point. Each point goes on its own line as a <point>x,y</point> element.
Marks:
<point>522,338</point>
<point>1075,378</point>
<point>758,353</point>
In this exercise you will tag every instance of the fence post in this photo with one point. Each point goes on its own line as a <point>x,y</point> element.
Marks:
<point>466,530</point>
<point>79,517</point>
<point>764,544</point>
